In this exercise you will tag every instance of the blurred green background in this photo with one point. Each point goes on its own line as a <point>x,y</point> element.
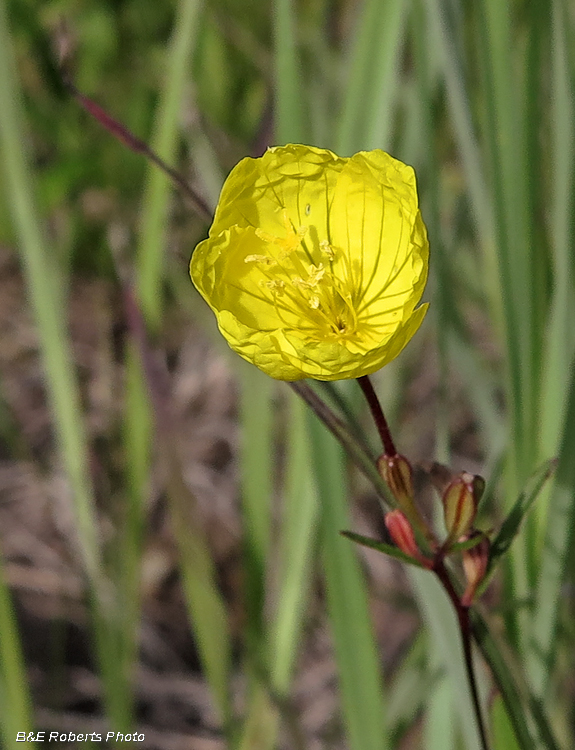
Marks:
<point>169,517</point>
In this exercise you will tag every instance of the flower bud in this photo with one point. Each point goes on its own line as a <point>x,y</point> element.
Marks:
<point>475,561</point>
<point>402,534</point>
<point>460,501</point>
<point>397,472</point>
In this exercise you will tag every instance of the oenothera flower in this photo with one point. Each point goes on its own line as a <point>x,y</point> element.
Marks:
<point>314,264</point>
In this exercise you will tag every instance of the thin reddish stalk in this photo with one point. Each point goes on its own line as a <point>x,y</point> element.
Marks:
<point>135,144</point>
<point>466,636</point>
<point>378,415</point>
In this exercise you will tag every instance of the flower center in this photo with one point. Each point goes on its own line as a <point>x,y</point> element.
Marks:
<point>308,280</point>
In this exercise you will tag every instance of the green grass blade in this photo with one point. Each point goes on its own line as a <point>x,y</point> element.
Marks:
<point>440,618</point>
<point>503,735</point>
<point>164,142</point>
<point>524,709</point>
<point>290,124</point>
<point>138,428</point>
<point>46,298</point>
<point>505,128</point>
<point>206,607</point>
<point>257,451</point>
<point>256,461</point>
<point>355,646</point>
<point>460,111</point>
<point>441,719</point>
<point>16,714</point>
<point>560,339</point>
<point>506,73</point>
<point>367,113</point>
<point>557,551</point>
<point>297,544</point>
<point>43,290</point>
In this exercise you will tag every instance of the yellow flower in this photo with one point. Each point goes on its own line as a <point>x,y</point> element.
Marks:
<point>314,264</point>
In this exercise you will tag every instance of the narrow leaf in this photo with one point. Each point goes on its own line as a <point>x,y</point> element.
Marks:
<point>511,525</point>
<point>387,549</point>
<point>557,551</point>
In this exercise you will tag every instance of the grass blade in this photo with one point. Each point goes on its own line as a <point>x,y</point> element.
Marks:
<point>503,735</point>
<point>297,543</point>
<point>460,110</point>
<point>290,125</point>
<point>441,620</point>
<point>206,608</point>
<point>367,113</point>
<point>557,549</point>
<point>164,143</point>
<point>16,715</point>
<point>560,339</point>
<point>356,650</point>
<point>43,288</point>
<point>505,128</point>
<point>297,546</point>
<point>257,391</point>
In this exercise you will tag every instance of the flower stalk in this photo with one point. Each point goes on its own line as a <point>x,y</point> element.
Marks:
<point>378,415</point>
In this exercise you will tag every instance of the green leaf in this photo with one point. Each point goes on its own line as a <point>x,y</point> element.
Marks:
<point>510,526</point>
<point>387,549</point>
<point>468,544</point>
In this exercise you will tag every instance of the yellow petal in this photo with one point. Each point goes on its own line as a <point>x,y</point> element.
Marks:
<point>293,178</point>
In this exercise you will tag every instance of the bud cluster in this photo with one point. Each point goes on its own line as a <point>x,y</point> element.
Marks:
<point>460,496</point>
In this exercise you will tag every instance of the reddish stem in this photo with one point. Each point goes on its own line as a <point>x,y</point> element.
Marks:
<point>465,629</point>
<point>139,146</point>
<point>378,415</point>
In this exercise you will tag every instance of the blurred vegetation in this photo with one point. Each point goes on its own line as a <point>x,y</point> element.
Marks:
<point>479,97</point>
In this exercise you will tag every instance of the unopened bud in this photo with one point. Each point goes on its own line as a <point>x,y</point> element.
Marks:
<point>475,561</point>
<point>402,534</point>
<point>397,472</point>
<point>460,501</point>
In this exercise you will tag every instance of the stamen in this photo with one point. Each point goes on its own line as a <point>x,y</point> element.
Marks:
<point>276,285</point>
<point>260,259</point>
<point>327,249</point>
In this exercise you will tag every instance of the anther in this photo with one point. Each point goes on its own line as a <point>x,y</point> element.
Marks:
<point>260,259</point>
